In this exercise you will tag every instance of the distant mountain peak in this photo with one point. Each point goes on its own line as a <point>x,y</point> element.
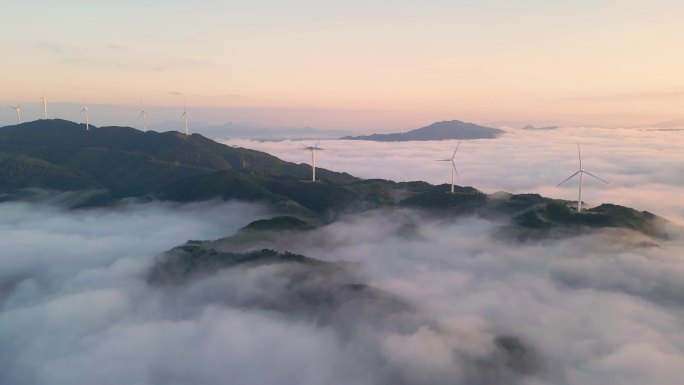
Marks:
<point>533,128</point>
<point>444,130</point>
<point>674,123</point>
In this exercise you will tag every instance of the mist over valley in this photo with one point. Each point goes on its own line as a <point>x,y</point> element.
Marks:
<point>227,267</point>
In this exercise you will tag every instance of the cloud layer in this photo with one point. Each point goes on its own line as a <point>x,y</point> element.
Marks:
<point>604,308</point>
<point>643,166</point>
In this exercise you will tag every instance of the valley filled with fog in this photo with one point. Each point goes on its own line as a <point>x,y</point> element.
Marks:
<point>643,165</point>
<point>605,307</point>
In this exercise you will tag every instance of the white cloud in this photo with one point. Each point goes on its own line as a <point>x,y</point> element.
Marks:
<point>644,167</point>
<point>604,308</point>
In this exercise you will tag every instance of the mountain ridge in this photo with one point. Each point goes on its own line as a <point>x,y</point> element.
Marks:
<point>444,130</point>
<point>129,163</point>
<point>121,162</point>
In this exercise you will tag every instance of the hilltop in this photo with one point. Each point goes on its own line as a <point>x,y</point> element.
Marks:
<point>123,162</point>
<point>115,163</point>
<point>452,129</point>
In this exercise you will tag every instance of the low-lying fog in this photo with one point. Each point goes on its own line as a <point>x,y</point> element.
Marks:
<point>604,308</point>
<point>645,167</point>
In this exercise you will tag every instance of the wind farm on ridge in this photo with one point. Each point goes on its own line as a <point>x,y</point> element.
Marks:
<point>312,148</point>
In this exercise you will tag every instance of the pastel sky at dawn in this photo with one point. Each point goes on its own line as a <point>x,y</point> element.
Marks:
<point>352,64</point>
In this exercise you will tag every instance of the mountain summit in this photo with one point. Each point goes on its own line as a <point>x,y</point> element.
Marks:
<point>451,129</point>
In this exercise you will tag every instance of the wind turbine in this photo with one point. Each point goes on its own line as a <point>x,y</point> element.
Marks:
<point>581,173</point>
<point>454,173</point>
<point>185,115</point>
<point>85,112</point>
<point>18,110</point>
<point>44,99</point>
<point>143,115</point>
<point>313,150</point>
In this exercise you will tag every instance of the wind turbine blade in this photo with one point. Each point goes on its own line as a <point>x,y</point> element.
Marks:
<point>141,114</point>
<point>579,154</point>
<point>590,174</point>
<point>457,146</point>
<point>568,178</point>
<point>442,160</point>
<point>19,105</point>
<point>316,145</point>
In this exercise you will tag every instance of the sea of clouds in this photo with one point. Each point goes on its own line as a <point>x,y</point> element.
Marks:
<point>645,167</point>
<point>602,308</point>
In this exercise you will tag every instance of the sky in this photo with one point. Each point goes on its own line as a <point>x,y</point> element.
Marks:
<point>348,65</point>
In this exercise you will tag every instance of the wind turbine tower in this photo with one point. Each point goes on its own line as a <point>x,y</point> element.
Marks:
<point>185,115</point>
<point>143,115</point>
<point>454,173</point>
<point>313,150</point>
<point>44,99</point>
<point>84,111</point>
<point>17,109</point>
<point>581,173</point>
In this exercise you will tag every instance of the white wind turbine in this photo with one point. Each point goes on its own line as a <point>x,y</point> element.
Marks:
<point>18,111</point>
<point>313,150</point>
<point>581,173</point>
<point>143,115</point>
<point>185,115</point>
<point>44,99</point>
<point>454,173</point>
<point>84,111</point>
